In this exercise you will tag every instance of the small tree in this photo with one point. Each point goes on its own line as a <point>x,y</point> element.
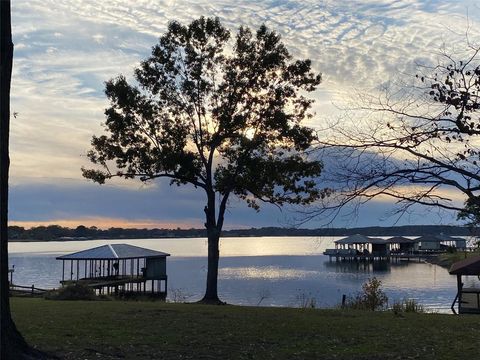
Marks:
<point>373,296</point>
<point>225,119</point>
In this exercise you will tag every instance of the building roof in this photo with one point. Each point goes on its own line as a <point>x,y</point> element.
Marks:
<point>360,239</point>
<point>401,240</point>
<point>469,266</point>
<point>113,252</point>
<point>437,238</point>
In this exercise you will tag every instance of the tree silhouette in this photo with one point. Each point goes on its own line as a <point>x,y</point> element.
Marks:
<point>223,117</point>
<point>12,344</point>
<point>417,143</point>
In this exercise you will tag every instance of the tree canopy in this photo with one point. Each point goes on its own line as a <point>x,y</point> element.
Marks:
<point>224,116</point>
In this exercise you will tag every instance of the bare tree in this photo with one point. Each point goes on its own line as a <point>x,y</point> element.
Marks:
<point>417,143</point>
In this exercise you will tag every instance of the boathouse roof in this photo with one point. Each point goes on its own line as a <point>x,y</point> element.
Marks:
<point>113,252</point>
<point>401,240</point>
<point>438,238</point>
<point>469,266</point>
<point>360,239</point>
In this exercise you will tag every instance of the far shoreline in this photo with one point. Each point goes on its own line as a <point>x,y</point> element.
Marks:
<point>82,233</point>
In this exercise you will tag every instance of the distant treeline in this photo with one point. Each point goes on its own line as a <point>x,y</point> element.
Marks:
<point>56,232</point>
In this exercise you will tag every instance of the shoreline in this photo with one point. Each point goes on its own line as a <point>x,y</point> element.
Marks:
<point>444,263</point>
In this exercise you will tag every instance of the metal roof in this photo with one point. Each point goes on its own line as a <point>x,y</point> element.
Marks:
<point>437,238</point>
<point>401,240</point>
<point>113,252</point>
<point>469,266</point>
<point>360,239</point>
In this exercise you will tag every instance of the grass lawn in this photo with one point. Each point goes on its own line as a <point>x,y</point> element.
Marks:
<point>155,330</point>
<point>446,260</point>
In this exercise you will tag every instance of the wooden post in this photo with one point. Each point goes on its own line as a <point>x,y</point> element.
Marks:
<point>33,289</point>
<point>459,289</point>
<point>344,299</point>
<point>71,269</point>
<point>63,270</point>
<point>78,269</point>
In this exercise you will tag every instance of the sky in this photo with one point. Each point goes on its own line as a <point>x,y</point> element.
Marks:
<point>66,49</point>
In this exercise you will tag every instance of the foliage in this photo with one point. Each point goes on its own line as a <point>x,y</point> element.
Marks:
<point>72,292</point>
<point>371,297</point>
<point>55,232</point>
<point>423,133</point>
<point>451,249</point>
<point>407,306</point>
<point>306,301</point>
<point>178,295</point>
<point>197,100</point>
<point>446,260</point>
<point>222,116</point>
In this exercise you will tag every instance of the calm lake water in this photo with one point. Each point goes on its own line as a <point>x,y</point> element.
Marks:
<point>270,271</point>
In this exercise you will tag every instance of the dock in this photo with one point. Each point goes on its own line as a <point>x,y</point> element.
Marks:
<point>117,269</point>
<point>363,248</point>
<point>388,257</point>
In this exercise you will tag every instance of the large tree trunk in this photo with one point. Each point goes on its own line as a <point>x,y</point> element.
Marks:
<point>211,293</point>
<point>12,344</point>
<point>213,234</point>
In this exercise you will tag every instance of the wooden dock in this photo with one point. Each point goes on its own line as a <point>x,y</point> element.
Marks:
<point>119,284</point>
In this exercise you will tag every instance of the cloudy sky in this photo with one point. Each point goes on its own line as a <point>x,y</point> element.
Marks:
<point>66,49</point>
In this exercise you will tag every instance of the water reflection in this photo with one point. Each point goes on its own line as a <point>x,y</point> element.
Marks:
<point>361,266</point>
<point>265,273</point>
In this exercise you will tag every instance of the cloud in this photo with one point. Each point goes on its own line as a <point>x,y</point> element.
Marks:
<point>66,49</point>
<point>71,203</point>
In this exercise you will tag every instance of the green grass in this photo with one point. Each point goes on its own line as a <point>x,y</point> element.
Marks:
<point>155,330</point>
<point>446,260</point>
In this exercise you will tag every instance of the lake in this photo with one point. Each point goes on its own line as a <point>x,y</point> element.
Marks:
<point>267,271</point>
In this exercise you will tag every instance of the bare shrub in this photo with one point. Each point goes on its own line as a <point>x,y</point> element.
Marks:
<point>372,297</point>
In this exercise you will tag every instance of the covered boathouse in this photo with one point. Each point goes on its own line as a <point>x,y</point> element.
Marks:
<point>117,269</point>
<point>359,247</point>
<point>468,298</point>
